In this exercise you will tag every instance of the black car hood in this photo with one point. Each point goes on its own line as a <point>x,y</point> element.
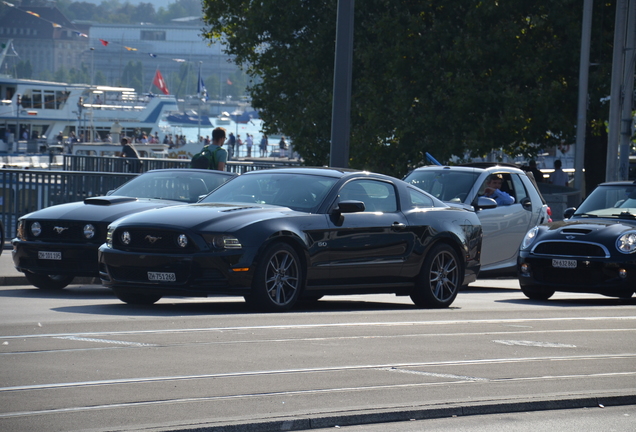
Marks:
<point>225,217</point>
<point>99,209</point>
<point>598,230</point>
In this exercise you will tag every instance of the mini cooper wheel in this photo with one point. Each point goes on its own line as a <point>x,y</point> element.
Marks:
<point>137,298</point>
<point>49,282</point>
<point>439,280</point>
<point>535,292</point>
<point>278,279</point>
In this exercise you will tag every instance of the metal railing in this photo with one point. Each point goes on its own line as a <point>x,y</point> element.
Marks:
<point>27,190</point>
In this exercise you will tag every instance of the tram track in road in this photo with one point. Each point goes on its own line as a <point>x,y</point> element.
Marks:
<point>156,371</point>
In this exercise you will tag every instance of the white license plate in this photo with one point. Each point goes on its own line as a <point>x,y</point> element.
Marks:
<point>162,276</point>
<point>45,255</point>
<point>563,263</point>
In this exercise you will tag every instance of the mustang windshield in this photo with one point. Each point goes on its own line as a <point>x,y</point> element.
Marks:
<point>186,187</point>
<point>609,201</point>
<point>445,185</point>
<point>300,192</point>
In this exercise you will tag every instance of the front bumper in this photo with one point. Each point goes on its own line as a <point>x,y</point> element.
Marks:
<point>193,275</point>
<point>76,259</point>
<point>591,275</point>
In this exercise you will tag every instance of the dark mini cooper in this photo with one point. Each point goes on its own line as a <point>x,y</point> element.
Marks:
<point>275,236</point>
<point>592,251</point>
<point>58,243</point>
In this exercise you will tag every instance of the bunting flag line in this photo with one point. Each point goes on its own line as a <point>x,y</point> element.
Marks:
<point>152,55</point>
<point>130,49</point>
<point>55,25</point>
<point>105,43</point>
<point>33,13</point>
<point>179,60</point>
<point>160,83</point>
<point>229,82</point>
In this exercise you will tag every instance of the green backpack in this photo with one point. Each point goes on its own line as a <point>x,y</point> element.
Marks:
<point>205,159</point>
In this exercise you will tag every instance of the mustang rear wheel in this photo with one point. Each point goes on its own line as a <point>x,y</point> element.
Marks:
<point>535,292</point>
<point>136,298</point>
<point>439,279</point>
<point>278,279</point>
<point>49,282</point>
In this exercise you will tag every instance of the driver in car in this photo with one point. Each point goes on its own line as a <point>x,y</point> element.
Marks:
<point>492,190</point>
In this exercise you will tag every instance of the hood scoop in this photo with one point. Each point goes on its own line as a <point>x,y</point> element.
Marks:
<point>107,200</point>
<point>240,208</point>
<point>576,231</point>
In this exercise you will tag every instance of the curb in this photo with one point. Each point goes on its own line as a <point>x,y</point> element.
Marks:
<point>376,416</point>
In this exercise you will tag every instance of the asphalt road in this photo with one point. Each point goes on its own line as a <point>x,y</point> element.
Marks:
<point>79,359</point>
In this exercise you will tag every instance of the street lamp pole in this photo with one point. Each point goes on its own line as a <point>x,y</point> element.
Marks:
<point>92,64</point>
<point>18,104</point>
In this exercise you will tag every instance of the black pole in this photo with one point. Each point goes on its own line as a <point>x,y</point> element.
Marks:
<point>341,109</point>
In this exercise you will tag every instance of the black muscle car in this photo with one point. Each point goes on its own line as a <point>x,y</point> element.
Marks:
<point>592,251</point>
<point>274,236</point>
<point>58,243</point>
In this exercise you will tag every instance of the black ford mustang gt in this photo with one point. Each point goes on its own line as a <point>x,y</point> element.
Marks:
<point>592,251</point>
<point>274,236</point>
<point>58,243</point>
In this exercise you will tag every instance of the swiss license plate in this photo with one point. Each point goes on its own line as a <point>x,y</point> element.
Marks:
<point>46,255</point>
<point>563,263</point>
<point>162,277</point>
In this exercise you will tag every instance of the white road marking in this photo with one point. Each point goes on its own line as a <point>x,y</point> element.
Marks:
<point>534,344</point>
<point>433,374</point>
<point>107,341</point>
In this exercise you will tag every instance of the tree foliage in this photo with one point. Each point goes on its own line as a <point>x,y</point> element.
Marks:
<point>451,78</point>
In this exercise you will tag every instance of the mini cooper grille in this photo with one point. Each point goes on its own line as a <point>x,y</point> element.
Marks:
<point>572,248</point>
<point>152,240</point>
<point>582,277</point>
<point>66,232</point>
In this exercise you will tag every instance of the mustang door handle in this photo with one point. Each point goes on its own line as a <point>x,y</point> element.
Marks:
<point>397,226</point>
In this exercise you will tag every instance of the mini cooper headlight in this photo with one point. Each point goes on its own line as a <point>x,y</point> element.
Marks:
<point>89,231</point>
<point>226,242</point>
<point>530,237</point>
<point>626,243</point>
<point>36,228</point>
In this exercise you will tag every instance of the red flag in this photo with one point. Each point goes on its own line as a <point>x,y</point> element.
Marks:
<point>229,82</point>
<point>160,83</point>
<point>105,43</point>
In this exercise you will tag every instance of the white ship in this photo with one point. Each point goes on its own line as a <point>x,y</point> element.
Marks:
<point>40,111</point>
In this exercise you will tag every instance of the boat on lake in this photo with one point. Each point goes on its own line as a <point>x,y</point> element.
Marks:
<point>44,111</point>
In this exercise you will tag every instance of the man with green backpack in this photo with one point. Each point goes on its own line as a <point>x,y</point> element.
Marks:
<point>212,156</point>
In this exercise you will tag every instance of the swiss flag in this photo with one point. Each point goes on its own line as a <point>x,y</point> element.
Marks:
<point>160,83</point>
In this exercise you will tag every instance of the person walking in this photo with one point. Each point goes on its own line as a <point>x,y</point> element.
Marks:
<point>263,146</point>
<point>559,177</point>
<point>129,152</point>
<point>249,142</point>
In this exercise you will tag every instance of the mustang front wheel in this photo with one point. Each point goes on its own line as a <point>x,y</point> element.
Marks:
<point>49,282</point>
<point>278,279</point>
<point>534,292</point>
<point>439,279</point>
<point>136,298</point>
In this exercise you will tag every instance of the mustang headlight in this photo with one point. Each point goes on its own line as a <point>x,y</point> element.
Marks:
<point>109,237</point>
<point>89,231</point>
<point>226,242</point>
<point>626,243</point>
<point>36,228</point>
<point>530,237</point>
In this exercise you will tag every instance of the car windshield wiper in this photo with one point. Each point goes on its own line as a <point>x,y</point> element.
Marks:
<point>585,215</point>
<point>625,215</point>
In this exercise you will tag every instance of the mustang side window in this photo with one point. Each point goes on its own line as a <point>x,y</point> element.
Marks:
<point>377,196</point>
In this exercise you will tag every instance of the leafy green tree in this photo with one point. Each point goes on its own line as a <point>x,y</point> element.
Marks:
<point>450,78</point>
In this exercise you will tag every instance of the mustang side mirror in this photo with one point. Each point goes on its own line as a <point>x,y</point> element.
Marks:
<point>350,207</point>
<point>485,203</point>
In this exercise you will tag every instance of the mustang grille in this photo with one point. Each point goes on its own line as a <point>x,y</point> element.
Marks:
<point>571,248</point>
<point>152,240</point>
<point>67,232</point>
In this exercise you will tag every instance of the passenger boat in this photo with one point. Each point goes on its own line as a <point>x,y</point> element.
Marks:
<point>188,118</point>
<point>43,109</point>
